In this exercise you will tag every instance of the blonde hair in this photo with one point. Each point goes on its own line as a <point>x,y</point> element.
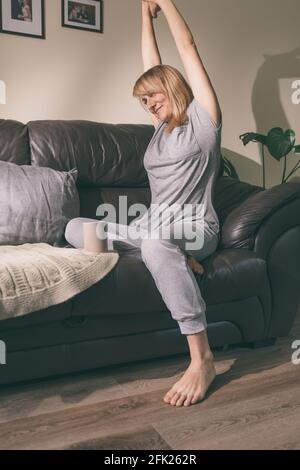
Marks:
<point>168,80</point>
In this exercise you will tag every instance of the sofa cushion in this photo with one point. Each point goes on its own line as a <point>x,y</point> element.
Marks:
<point>14,144</point>
<point>35,204</point>
<point>55,313</point>
<point>122,199</point>
<point>130,288</point>
<point>233,275</point>
<point>105,154</point>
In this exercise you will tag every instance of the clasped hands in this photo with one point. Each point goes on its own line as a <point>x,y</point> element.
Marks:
<point>153,6</point>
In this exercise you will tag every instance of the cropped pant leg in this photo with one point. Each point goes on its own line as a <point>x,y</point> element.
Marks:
<point>118,236</point>
<point>166,260</point>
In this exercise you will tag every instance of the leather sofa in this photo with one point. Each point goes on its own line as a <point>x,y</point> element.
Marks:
<point>250,284</point>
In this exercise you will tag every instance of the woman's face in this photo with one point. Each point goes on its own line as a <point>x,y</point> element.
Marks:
<point>159,105</point>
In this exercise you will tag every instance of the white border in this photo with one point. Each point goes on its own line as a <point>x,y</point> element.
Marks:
<point>79,24</point>
<point>19,26</point>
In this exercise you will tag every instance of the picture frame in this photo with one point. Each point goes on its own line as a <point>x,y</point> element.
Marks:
<point>23,18</point>
<point>83,14</point>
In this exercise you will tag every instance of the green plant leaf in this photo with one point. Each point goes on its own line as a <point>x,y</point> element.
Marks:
<point>297,149</point>
<point>280,143</point>
<point>253,137</point>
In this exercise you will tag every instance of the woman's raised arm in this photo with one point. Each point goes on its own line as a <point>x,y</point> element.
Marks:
<point>150,52</point>
<point>198,78</point>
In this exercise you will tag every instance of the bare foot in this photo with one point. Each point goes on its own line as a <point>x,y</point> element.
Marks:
<point>193,385</point>
<point>195,266</point>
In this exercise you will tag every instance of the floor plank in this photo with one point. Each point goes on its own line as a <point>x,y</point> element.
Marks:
<point>141,439</point>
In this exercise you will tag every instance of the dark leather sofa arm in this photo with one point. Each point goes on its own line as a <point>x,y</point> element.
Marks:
<point>243,223</point>
<point>278,242</point>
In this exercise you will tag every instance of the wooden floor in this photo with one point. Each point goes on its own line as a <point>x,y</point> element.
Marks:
<point>254,403</point>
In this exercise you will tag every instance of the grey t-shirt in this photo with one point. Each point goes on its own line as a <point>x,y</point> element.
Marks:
<point>182,169</point>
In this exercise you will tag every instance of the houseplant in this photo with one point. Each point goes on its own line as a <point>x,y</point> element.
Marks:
<point>279,144</point>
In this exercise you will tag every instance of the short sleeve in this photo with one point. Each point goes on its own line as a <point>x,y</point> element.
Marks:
<point>200,117</point>
<point>205,131</point>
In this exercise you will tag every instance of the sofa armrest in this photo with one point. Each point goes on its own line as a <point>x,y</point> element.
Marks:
<point>278,242</point>
<point>241,226</point>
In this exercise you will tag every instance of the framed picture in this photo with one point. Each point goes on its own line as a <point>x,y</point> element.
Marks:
<point>23,17</point>
<point>83,14</point>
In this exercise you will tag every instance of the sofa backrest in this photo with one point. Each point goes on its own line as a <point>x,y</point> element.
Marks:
<point>109,159</point>
<point>106,155</point>
<point>14,143</point>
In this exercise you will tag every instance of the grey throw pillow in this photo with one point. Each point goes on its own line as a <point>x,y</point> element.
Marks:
<point>36,203</point>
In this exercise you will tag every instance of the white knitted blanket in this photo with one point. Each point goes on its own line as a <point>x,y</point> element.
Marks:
<point>34,276</point>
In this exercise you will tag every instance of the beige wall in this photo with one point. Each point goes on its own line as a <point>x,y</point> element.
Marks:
<point>246,47</point>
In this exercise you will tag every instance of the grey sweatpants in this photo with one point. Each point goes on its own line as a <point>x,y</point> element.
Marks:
<point>166,261</point>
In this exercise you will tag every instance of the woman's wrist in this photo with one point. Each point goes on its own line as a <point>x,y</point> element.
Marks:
<point>146,7</point>
<point>146,12</point>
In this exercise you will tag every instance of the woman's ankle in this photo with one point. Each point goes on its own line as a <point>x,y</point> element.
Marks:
<point>199,361</point>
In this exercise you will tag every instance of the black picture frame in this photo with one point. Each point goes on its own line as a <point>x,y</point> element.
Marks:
<point>5,21</point>
<point>84,21</point>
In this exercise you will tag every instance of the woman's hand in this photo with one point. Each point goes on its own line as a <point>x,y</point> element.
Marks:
<point>154,8</point>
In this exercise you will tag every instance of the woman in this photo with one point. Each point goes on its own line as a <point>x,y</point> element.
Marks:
<point>74,13</point>
<point>26,10</point>
<point>182,161</point>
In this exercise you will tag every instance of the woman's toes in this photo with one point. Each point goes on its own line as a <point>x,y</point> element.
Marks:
<point>195,265</point>
<point>174,399</point>
<point>167,398</point>
<point>196,398</point>
<point>181,399</point>
<point>187,401</point>
<point>199,268</point>
<point>169,395</point>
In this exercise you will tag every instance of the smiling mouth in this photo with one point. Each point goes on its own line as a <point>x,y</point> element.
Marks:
<point>158,110</point>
